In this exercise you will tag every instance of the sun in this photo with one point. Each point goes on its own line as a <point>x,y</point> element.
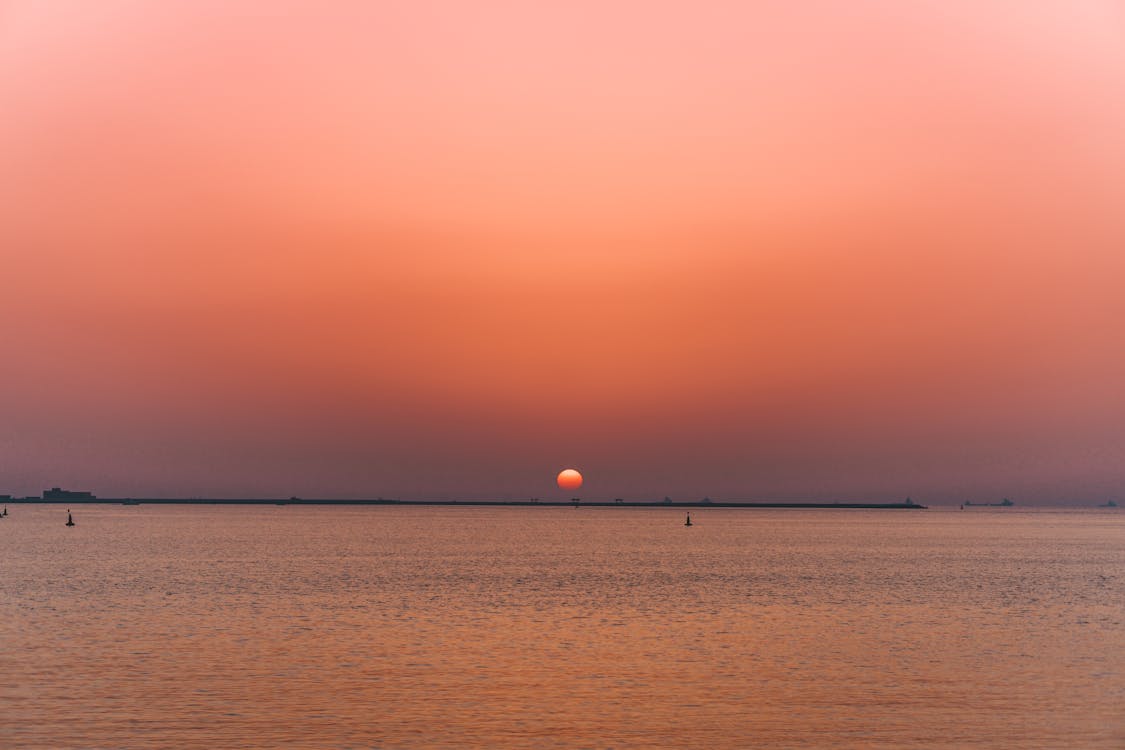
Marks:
<point>569,479</point>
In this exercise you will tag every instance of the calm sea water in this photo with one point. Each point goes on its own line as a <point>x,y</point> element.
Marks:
<point>225,627</point>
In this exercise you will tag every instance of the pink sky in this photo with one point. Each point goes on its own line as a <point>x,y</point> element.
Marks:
<point>743,250</point>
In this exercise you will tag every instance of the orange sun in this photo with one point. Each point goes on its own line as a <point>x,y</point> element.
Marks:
<point>569,479</point>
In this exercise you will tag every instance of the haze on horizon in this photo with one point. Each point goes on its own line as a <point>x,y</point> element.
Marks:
<point>426,250</point>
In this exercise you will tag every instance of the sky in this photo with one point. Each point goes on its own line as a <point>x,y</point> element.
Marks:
<point>823,250</point>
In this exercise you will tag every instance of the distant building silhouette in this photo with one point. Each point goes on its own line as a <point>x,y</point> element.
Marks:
<point>1005,503</point>
<point>59,494</point>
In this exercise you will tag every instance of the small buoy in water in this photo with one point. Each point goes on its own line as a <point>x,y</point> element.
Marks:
<point>69,518</point>
<point>688,521</point>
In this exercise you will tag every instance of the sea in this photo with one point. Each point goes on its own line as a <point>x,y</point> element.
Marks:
<point>467,627</point>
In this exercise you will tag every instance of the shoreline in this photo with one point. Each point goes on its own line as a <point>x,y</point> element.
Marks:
<point>468,503</point>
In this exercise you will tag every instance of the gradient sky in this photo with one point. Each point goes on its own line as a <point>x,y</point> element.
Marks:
<point>850,250</point>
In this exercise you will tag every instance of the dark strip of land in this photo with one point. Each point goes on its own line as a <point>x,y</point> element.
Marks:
<point>485,503</point>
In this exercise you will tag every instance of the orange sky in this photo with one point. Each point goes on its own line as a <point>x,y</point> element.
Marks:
<point>435,249</point>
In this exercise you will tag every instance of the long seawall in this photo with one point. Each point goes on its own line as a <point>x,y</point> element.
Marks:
<point>470,503</point>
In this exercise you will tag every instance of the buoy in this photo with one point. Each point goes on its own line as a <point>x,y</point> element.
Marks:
<point>69,518</point>
<point>688,521</point>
